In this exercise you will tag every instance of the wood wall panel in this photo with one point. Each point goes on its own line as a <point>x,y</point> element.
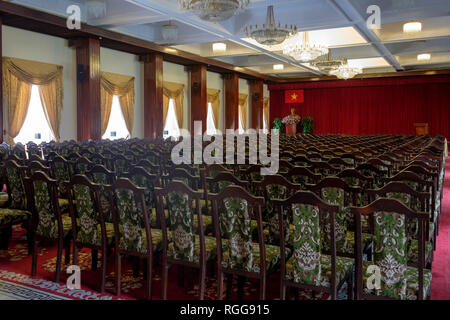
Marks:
<point>1,82</point>
<point>256,103</point>
<point>199,98</point>
<point>88,89</point>
<point>231,84</point>
<point>153,95</point>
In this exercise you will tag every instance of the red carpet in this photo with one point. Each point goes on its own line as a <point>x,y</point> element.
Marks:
<point>15,266</point>
<point>440,287</point>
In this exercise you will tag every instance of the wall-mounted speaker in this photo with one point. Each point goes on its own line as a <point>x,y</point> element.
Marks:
<point>80,72</point>
<point>255,96</point>
<point>195,86</point>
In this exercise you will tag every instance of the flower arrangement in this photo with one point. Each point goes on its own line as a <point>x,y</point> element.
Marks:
<point>290,119</point>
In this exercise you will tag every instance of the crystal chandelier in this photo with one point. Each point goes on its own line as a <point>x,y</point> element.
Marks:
<point>96,9</point>
<point>346,72</point>
<point>328,64</point>
<point>214,10</point>
<point>169,32</point>
<point>302,50</point>
<point>270,34</point>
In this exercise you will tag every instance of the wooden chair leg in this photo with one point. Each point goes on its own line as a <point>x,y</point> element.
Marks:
<point>104,265</point>
<point>262,288</point>
<point>165,274</point>
<point>190,279</point>
<point>75,255</point>
<point>350,287</point>
<point>202,280</point>
<point>240,292</point>
<point>67,251</point>
<point>149,278</point>
<point>229,292</point>
<point>282,290</point>
<point>181,276</point>
<point>118,273</point>
<point>94,254</point>
<point>34,258</point>
<point>219,285</point>
<point>59,260</point>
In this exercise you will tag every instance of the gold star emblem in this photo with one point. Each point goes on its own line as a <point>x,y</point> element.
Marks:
<point>294,97</point>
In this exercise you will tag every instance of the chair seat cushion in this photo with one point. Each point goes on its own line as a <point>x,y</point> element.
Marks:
<point>64,204</point>
<point>210,248</point>
<point>12,216</point>
<point>3,199</point>
<point>413,252</point>
<point>156,241</point>
<point>349,248</point>
<point>272,256</point>
<point>343,267</point>
<point>412,281</point>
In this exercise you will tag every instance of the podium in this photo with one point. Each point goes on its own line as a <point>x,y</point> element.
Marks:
<point>421,128</point>
<point>291,129</point>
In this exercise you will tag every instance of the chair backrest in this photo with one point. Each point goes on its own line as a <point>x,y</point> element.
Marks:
<point>84,203</point>
<point>309,215</point>
<point>149,166</point>
<point>61,172</point>
<point>14,175</point>
<point>182,175</point>
<point>302,176</point>
<point>184,206</point>
<point>232,222</point>
<point>44,202</point>
<point>129,212</point>
<point>390,247</point>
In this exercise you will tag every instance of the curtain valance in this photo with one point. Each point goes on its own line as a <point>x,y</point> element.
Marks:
<point>174,91</point>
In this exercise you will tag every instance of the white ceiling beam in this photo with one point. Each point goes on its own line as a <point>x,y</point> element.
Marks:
<point>127,20</point>
<point>346,7</point>
<point>168,8</point>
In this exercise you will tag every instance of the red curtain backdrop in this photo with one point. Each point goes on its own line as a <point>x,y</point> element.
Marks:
<point>370,106</point>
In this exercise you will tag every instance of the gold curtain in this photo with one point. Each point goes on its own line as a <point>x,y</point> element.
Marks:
<point>214,99</point>
<point>18,77</point>
<point>122,86</point>
<point>173,91</point>
<point>243,109</point>
<point>266,110</point>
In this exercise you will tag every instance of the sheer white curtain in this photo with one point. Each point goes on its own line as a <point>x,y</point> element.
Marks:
<point>171,128</point>
<point>210,121</point>
<point>35,127</point>
<point>117,128</point>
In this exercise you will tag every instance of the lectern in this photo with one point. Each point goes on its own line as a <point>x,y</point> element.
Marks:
<point>421,128</point>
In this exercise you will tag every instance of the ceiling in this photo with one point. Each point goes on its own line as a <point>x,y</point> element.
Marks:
<point>339,24</point>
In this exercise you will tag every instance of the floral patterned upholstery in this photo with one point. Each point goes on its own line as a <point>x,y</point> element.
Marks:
<point>16,189</point>
<point>390,253</point>
<point>133,234</point>
<point>3,199</point>
<point>101,179</point>
<point>343,267</point>
<point>210,248</point>
<point>411,280</point>
<point>336,196</point>
<point>413,251</point>
<point>13,216</point>
<point>272,231</point>
<point>48,222</point>
<point>62,175</point>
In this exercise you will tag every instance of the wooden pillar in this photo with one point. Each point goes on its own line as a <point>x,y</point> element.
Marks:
<point>1,81</point>
<point>231,83</point>
<point>153,95</point>
<point>256,104</point>
<point>199,98</point>
<point>88,88</point>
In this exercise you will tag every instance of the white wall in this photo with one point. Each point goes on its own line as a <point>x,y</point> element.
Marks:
<point>215,81</point>
<point>177,73</point>
<point>18,43</point>
<point>127,64</point>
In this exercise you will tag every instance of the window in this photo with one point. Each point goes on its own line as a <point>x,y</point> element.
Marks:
<point>264,123</point>
<point>241,124</point>
<point>35,127</point>
<point>117,128</point>
<point>171,128</point>
<point>210,126</point>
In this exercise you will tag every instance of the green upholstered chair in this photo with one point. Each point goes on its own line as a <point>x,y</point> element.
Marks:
<point>309,267</point>
<point>184,241</point>
<point>132,231</point>
<point>397,280</point>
